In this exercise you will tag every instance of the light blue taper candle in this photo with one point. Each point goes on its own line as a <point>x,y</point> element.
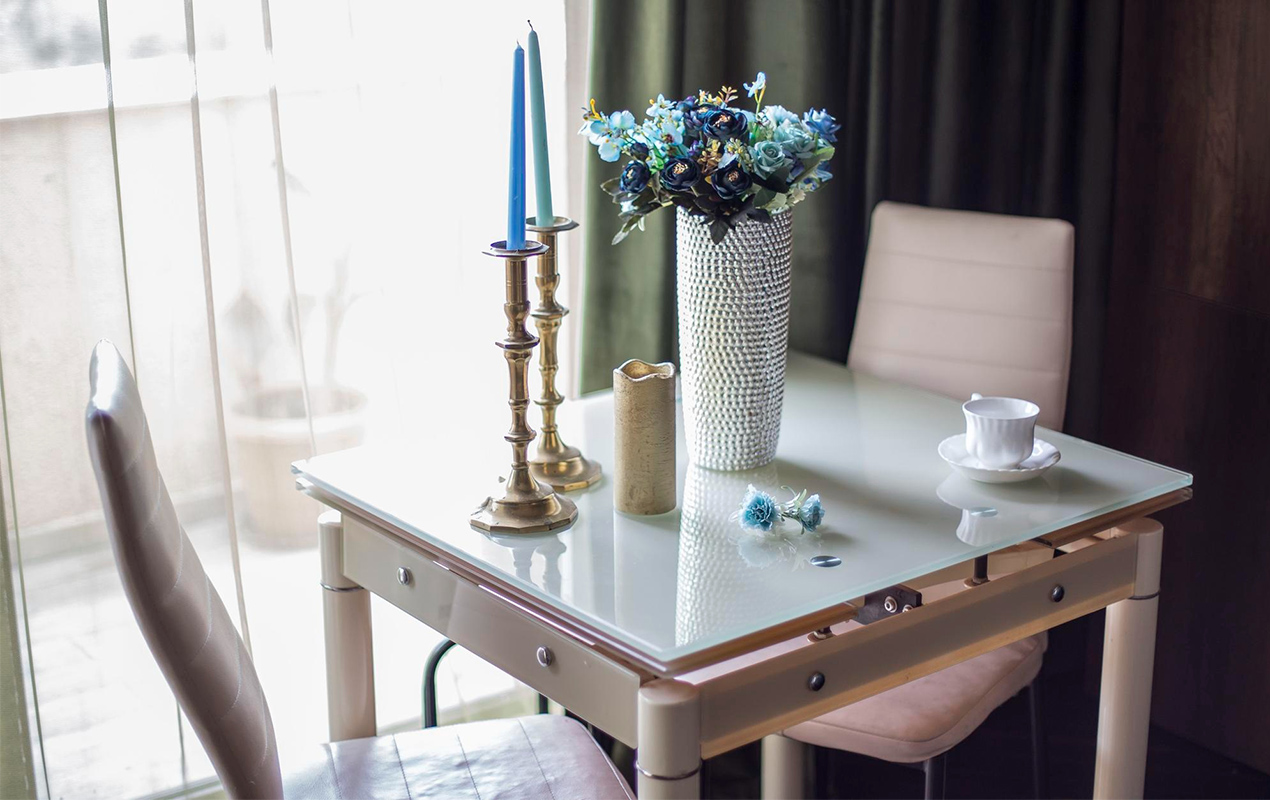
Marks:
<point>516,177</point>
<point>543,214</point>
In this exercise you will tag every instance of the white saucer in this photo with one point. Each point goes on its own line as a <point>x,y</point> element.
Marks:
<point>953,450</point>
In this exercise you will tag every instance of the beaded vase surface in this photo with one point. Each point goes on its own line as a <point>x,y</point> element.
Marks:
<point>733,302</point>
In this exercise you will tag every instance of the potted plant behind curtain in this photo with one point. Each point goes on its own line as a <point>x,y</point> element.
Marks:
<point>733,176</point>
<point>269,427</point>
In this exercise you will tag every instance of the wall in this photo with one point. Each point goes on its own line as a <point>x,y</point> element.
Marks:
<point>1187,369</point>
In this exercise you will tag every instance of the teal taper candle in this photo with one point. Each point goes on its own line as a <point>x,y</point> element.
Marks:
<point>516,176</point>
<point>543,213</point>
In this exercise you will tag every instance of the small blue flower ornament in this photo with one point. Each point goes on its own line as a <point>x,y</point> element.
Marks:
<point>760,511</point>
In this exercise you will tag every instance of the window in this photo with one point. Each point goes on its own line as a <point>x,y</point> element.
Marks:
<point>367,287</point>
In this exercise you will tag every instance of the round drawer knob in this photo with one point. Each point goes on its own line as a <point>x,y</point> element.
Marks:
<point>1056,594</point>
<point>403,576</point>
<point>816,682</point>
<point>545,656</point>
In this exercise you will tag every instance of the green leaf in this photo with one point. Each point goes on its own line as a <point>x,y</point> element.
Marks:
<point>627,226</point>
<point>611,185</point>
<point>764,196</point>
<point>719,228</point>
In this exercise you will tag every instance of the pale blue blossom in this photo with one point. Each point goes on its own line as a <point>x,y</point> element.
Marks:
<point>756,88</point>
<point>779,114</point>
<point>758,510</point>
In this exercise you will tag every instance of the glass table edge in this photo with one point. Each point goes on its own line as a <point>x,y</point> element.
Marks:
<point>668,656</point>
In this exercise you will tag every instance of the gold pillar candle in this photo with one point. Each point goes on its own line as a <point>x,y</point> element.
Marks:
<point>644,437</point>
<point>554,462</point>
<point>523,505</point>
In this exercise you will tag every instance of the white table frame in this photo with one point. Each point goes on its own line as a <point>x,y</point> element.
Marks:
<point>675,719</point>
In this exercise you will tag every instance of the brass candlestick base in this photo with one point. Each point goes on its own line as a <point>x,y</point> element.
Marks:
<point>522,504</point>
<point>554,462</point>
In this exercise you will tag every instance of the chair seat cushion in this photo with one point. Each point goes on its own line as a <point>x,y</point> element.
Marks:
<point>930,715</point>
<point>546,756</point>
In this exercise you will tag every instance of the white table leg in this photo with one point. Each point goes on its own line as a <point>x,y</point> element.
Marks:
<point>668,762</point>
<point>783,768</point>
<point>350,673</point>
<point>1128,659</point>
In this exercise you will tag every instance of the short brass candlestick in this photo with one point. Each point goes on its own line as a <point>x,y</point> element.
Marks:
<point>525,505</point>
<point>555,462</point>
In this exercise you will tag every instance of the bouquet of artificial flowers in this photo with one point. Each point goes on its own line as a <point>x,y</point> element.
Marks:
<point>715,161</point>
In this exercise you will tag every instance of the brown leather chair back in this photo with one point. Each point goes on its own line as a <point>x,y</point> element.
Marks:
<point>181,615</point>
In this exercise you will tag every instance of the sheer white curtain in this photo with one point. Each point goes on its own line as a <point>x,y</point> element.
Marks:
<point>276,210</point>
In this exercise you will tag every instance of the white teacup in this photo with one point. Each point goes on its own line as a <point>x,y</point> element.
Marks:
<point>1000,430</point>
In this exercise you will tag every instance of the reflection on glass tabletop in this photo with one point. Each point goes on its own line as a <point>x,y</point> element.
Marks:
<point>676,584</point>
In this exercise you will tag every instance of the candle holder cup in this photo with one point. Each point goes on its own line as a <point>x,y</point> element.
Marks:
<point>523,505</point>
<point>554,462</point>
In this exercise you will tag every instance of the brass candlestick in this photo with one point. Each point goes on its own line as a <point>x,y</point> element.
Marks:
<point>525,505</point>
<point>555,462</point>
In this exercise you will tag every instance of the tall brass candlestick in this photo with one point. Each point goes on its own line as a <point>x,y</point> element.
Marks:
<point>556,463</point>
<point>526,506</point>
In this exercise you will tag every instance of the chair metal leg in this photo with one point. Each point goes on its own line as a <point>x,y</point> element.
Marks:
<point>1040,781</point>
<point>934,768</point>
<point>430,682</point>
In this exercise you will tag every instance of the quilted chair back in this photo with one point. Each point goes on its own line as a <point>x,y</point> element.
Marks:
<point>180,614</point>
<point>959,302</point>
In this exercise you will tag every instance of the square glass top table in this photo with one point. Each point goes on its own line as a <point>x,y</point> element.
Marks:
<point>671,591</point>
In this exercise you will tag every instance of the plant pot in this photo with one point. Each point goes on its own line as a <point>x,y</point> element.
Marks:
<point>270,433</point>
<point>733,301</point>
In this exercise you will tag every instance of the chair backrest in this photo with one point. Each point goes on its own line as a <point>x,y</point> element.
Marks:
<point>959,302</point>
<point>180,614</point>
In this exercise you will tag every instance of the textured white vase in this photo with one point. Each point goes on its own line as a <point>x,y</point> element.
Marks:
<point>733,301</point>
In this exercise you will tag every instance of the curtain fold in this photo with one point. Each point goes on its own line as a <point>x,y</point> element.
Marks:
<point>984,105</point>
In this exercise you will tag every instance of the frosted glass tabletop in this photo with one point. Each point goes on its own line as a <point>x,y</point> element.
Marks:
<point>676,584</point>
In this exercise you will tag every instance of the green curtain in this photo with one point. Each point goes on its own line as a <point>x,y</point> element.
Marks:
<point>17,778</point>
<point>1000,106</point>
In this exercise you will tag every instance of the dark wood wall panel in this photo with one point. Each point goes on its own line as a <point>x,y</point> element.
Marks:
<point>1187,361</point>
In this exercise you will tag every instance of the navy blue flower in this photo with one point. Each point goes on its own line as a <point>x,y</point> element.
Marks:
<point>680,174</point>
<point>725,123</point>
<point>695,113</point>
<point>758,510</point>
<point>639,150</point>
<point>635,177</point>
<point>731,181</point>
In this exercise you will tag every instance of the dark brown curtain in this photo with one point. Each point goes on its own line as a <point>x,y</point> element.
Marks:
<point>1000,106</point>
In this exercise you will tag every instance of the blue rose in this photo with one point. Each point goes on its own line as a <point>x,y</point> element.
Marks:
<point>796,140</point>
<point>731,181</point>
<point>639,150</point>
<point>724,123</point>
<point>758,510</point>
<point>768,157</point>
<point>635,177</point>
<point>680,174</point>
<point>812,513</point>
<point>823,123</point>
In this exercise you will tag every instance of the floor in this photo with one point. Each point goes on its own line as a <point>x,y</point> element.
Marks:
<point>995,762</point>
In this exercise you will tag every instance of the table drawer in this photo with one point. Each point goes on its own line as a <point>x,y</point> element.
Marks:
<point>494,627</point>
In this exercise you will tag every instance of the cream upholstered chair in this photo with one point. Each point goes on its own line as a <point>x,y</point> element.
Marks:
<point>958,302</point>
<point>201,655</point>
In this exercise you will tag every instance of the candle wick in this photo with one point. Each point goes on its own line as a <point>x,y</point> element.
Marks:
<point>531,24</point>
